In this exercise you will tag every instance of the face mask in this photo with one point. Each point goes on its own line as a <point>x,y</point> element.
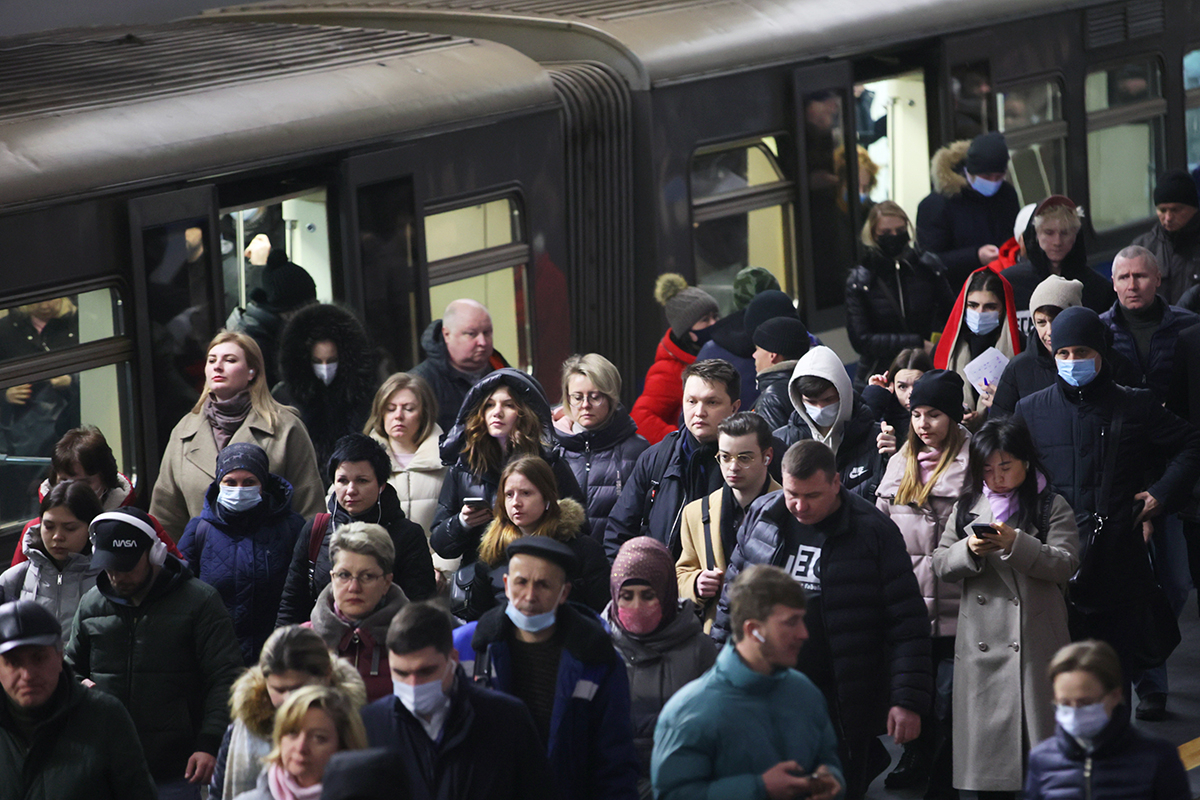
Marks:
<point>1077,373</point>
<point>326,372</point>
<point>239,498</point>
<point>424,698</point>
<point>641,620</point>
<point>982,322</point>
<point>892,244</point>
<point>531,624</point>
<point>1086,722</point>
<point>985,188</point>
<point>822,417</point>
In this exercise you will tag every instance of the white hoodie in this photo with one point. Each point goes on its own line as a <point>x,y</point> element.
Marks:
<point>824,363</point>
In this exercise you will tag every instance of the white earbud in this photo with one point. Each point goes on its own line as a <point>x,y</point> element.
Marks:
<point>758,636</point>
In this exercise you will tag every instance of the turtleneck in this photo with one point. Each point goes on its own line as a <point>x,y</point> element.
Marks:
<point>226,416</point>
<point>1142,323</point>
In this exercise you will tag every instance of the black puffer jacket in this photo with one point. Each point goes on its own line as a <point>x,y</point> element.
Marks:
<point>1026,274</point>
<point>773,403</point>
<point>413,570</point>
<point>329,412</point>
<point>875,620</point>
<point>450,386</point>
<point>448,537</point>
<point>602,461</point>
<point>1178,256</point>
<point>1033,370</point>
<point>1159,366</point>
<point>892,304</point>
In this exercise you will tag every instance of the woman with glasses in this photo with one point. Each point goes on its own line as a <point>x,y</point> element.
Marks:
<point>599,439</point>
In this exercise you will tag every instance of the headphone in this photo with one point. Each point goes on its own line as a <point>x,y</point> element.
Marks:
<point>158,550</point>
<point>758,635</point>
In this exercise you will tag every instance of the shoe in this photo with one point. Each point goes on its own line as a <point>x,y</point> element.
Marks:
<point>1152,707</point>
<point>911,771</point>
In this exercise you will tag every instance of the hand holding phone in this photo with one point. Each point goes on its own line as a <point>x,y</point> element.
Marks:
<point>984,531</point>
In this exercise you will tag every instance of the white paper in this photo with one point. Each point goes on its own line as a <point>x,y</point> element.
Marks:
<point>988,366</point>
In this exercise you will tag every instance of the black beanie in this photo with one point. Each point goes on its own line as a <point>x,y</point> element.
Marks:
<point>786,336</point>
<point>1076,327</point>
<point>767,305</point>
<point>941,389</point>
<point>244,455</point>
<point>1176,187</point>
<point>987,153</point>
<point>285,285</point>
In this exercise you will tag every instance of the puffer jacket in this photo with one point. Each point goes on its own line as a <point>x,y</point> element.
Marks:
<point>875,621</point>
<point>1157,369</point>
<point>329,412</point>
<point>1178,257</point>
<point>87,747</point>
<point>419,485</point>
<point>1033,370</point>
<point>245,557</point>
<point>450,386</point>
<point>39,578</point>
<point>657,409</point>
<point>773,403</point>
<point>170,660</point>
<point>449,538</point>
<point>602,460</point>
<point>1026,274</point>
<point>364,643</point>
<point>922,527</point>
<point>412,570</point>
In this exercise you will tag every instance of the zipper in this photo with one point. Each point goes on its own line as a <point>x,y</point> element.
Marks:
<point>900,291</point>
<point>1087,778</point>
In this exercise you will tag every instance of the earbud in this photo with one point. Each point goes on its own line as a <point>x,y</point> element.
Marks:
<point>759,636</point>
<point>767,460</point>
<point>251,373</point>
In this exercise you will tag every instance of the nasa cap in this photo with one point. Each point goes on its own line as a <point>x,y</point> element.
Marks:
<point>119,538</point>
<point>24,622</point>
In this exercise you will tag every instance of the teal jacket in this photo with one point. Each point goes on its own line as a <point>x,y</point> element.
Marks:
<point>719,734</point>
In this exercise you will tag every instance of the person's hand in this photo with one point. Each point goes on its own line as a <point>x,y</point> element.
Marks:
<point>18,395</point>
<point>89,683</point>
<point>903,725</point>
<point>988,253</point>
<point>1006,536</point>
<point>1150,509</point>
<point>200,767</point>
<point>987,393</point>
<point>472,517</point>
<point>61,382</point>
<point>823,785</point>
<point>878,380</point>
<point>708,582</point>
<point>930,346</point>
<point>786,780</point>
<point>886,440</point>
<point>982,545</point>
<point>258,250</point>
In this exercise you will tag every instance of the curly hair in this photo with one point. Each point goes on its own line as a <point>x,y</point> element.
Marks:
<point>483,453</point>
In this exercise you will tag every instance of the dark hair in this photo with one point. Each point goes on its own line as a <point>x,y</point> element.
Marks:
<point>1007,435</point>
<point>421,625</point>
<point>985,280</point>
<point>88,448</point>
<point>716,370</point>
<point>360,447</point>
<point>813,386</point>
<point>294,648</point>
<point>746,422</point>
<point>756,591</point>
<point>909,358</point>
<point>1092,656</point>
<point>808,457</point>
<point>77,497</point>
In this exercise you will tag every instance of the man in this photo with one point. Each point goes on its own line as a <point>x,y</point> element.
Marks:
<point>458,352</point>
<point>827,408</point>
<point>1175,240</point>
<point>724,733</point>
<point>1105,445</point>
<point>161,642</point>
<point>58,739</point>
<point>868,649</point>
<point>778,345</point>
<point>454,737</point>
<point>710,525</point>
<point>562,664</point>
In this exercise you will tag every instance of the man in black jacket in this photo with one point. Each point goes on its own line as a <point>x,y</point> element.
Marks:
<point>458,352</point>
<point>778,345</point>
<point>454,738</point>
<point>868,648</point>
<point>1175,238</point>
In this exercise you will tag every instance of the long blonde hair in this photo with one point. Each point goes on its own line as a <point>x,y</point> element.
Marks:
<point>260,394</point>
<point>912,491</point>
<point>502,532</point>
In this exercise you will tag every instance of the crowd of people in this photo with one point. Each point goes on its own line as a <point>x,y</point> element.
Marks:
<point>440,584</point>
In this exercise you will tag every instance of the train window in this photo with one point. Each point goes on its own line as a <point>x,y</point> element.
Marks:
<point>466,230</point>
<point>504,293</point>
<point>1191,84</point>
<point>58,323</point>
<point>970,96</point>
<point>834,245</point>
<point>1030,116</point>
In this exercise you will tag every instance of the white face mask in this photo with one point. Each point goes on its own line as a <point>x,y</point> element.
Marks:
<point>325,372</point>
<point>982,322</point>
<point>823,417</point>
<point>1085,722</point>
<point>985,188</point>
<point>239,498</point>
<point>424,698</point>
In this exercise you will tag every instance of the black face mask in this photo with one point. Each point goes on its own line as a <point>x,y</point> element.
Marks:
<point>892,244</point>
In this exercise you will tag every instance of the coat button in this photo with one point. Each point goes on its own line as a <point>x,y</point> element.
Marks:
<point>983,647</point>
<point>1016,647</point>
<point>980,599</point>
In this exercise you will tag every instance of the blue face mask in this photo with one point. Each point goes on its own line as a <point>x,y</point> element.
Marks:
<point>239,498</point>
<point>982,322</point>
<point>531,624</point>
<point>1085,722</point>
<point>1077,373</point>
<point>985,188</point>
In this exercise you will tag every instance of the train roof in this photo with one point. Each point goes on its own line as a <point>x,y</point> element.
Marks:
<point>663,41</point>
<point>91,109</point>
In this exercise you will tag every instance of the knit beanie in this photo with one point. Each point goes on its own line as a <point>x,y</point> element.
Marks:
<point>942,389</point>
<point>748,283</point>
<point>244,455</point>
<point>644,558</point>
<point>786,336</point>
<point>1078,327</point>
<point>767,305</point>
<point>1056,291</point>
<point>988,153</point>
<point>685,305</point>
<point>285,285</point>
<point>1176,186</point>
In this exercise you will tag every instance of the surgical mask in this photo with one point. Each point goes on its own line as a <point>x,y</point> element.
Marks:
<point>892,244</point>
<point>239,498</point>
<point>1085,722</point>
<point>641,620</point>
<point>982,322</point>
<point>1077,373</point>
<point>531,624</point>
<point>822,417</point>
<point>985,188</point>
<point>424,698</point>
<point>326,372</point>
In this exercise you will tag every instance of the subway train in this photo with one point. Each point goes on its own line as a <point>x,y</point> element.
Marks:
<point>548,157</point>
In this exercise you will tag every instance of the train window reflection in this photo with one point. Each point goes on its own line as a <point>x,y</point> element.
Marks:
<point>1122,85</point>
<point>1031,117</point>
<point>58,323</point>
<point>833,242</point>
<point>465,230</point>
<point>504,292</point>
<point>1191,83</point>
<point>970,96</point>
<point>725,171</point>
<point>1028,106</point>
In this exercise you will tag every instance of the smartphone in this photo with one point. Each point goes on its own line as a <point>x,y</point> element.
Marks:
<point>983,531</point>
<point>475,502</point>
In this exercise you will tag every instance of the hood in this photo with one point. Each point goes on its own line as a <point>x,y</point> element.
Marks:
<point>34,550</point>
<point>1073,266</point>
<point>1009,342</point>
<point>250,702</point>
<point>433,345</point>
<point>641,650</point>
<point>426,459</point>
<point>523,386</point>
<point>946,168</point>
<point>355,378</point>
<point>949,484</point>
<point>620,426</point>
<point>824,363</point>
<point>276,503</point>
<point>113,499</point>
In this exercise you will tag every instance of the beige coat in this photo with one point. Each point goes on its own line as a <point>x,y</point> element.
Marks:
<point>1012,620</point>
<point>692,559</point>
<point>419,485</point>
<point>189,466</point>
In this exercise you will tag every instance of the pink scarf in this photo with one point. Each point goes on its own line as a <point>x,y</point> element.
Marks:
<point>927,460</point>
<point>1008,505</point>
<point>284,786</point>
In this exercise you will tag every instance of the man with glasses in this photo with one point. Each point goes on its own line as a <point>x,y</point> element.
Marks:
<point>710,525</point>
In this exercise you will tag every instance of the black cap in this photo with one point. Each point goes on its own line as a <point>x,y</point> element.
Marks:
<point>244,455</point>
<point>1078,327</point>
<point>767,305</point>
<point>25,622</point>
<point>940,389</point>
<point>988,153</point>
<point>1176,187</point>
<point>376,773</point>
<point>285,285</point>
<point>120,537</point>
<point>548,549</point>
<point>785,336</point>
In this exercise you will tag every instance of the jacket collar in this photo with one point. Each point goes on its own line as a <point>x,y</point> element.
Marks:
<point>732,670</point>
<point>620,426</point>
<point>581,633</point>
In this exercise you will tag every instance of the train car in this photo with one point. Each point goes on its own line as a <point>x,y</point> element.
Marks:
<point>138,163</point>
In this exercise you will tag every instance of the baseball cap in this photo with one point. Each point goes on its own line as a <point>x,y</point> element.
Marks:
<point>120,537</point>
<point>25,622</point>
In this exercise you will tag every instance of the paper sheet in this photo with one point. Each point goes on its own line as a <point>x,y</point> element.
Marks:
<point>988,366</point>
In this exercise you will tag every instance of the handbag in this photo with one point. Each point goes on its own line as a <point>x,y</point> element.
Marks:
<point>461,591</point>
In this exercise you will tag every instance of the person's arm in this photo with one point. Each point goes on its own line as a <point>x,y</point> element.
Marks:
<point>1170,778</point>
<point>907,630</point>
<point>935,234</point>
<point>296,603</point>
<point>1057,558</point>
<point>413,570</point>
<point>1004,402</point>
<point>167,503</point>
<point>625,521</point>
<point>568,486</point>
<point>449,538</point>
<point>689,566</point>
<point>860,325</point>
<point>953,560</point>
<point>300,469</point>
<point>216,650</point>
<point>187,544</point>
<point>78,650</point>
<point>721,629</point>
<point>616,768</point>
<point>1168,433</point>
<point>681,765</point>
<point>129,775</point>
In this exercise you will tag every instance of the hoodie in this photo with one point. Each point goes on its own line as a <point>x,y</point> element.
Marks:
<point>953,349</point>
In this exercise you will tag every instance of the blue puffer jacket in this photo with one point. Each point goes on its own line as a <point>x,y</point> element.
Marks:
<point>602,461</point>
<point>245,557</point>
<point>1158,367</point>
<point>1125,764</point>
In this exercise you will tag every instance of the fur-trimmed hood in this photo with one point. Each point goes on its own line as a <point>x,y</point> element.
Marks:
<point>355,378</point>
<point>250,703</point>
<point>572,517</point>
<point>946,168</point>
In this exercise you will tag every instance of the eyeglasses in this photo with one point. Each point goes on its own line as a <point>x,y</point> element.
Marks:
<point>743,459</point>
<point>364,578</point>
<point>593,398</point>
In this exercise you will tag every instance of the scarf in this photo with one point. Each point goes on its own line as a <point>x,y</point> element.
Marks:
<point>226,416</point>
<point>284,786</point>
<point>1007,505</point>
<point>927,460</point>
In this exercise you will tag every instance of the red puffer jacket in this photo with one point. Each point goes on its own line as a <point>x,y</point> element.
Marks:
<point>656,412</point>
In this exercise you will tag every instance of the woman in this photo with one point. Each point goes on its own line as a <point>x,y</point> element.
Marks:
<point>505,415</point>
<point>598,437</point>
<point>920,487</point>
<point>1095,753</point>
<point>1013,544</point>
<point>242,542</point>
<point>311,725</point>
<point>527,504</point>
<point>887,396</point>
<point>659,637</point>
<point>292,658</point>
<point>235,406</point>
<point>353,612</point>
<point>688,310</point>
<point>898,297</point>
<point>328,371</point>
<point>358,470</point>
<point>57,570</point>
